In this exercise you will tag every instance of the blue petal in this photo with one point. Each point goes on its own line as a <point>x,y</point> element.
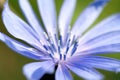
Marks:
<point>31,17</point>
<point>89,15</point>
<point>103,63</point>
<point>34,71</point>
<point>83,71</point>
<point>23,49</point>
<point>48,14</point>
<point>65,16</point>
<point>62,73</point>
<point>18,28</point>
<point>108,42</point>
<point>108,25</point>
<point>113,48</point>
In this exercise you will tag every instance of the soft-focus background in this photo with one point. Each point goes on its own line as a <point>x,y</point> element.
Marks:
<point>11,63</point>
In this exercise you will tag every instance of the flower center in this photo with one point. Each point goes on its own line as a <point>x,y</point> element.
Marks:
<point>63,50</point>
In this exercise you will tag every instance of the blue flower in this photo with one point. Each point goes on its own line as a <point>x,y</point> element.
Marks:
<point>59,44</point>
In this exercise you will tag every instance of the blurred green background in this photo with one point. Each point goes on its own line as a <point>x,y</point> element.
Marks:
<point>11,63</point>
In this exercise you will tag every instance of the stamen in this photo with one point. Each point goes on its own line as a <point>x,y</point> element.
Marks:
<point>61,43</point>
<point>60,56</point>
<point>64,57</point>
<point>46,36</point>
<point>63,50</point>
<point>74,48</point>
<point>72,40</point>
<point>52,45</point>
<point>56,39</point>
<point>52,57</point>
<point>51,49</point>
<point>68,45</point>
<point>45,47</point>
<point>59,52</point>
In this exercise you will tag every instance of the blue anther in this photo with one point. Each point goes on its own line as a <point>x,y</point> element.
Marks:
<point>56,38</point>
<point>52,57</point>
<point>67,49</point>
<point>73,51</point>
<point>68,44</point>
<point>60,56</point>
<point>64,57</point>
<point>51,49</point>
<point>45,47</point>
<point>74,48</point>
<point>61,43</point>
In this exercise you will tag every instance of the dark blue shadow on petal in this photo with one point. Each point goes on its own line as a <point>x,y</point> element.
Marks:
<point>49,76</point>
<point>98,3</point>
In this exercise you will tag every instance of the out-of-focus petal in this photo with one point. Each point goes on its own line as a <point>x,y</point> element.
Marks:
<point>108,25</point>
<point>31,17</point>
<point>34,71</point>
<point>89,15</point>
<point>65,17</point>
<point>103,63</point>
<point>23,49</point>
<point>18,28</point>
<point>112,48</point>
<point>83,71</point>
<point>108,42</point>
<point>63,73</point>
<point>48,14</point>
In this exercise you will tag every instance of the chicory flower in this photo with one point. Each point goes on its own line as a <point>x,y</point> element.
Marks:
<point>59,44</point>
